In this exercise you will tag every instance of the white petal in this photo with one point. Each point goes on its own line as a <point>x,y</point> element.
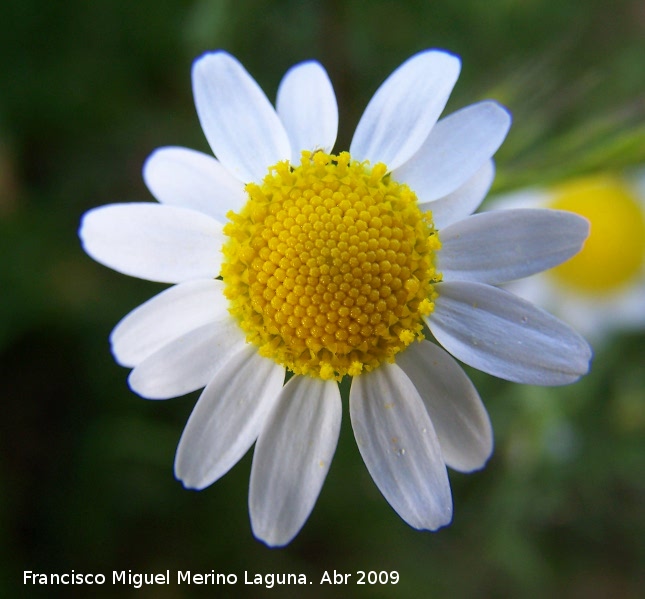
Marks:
<point>399,446</point>
<point>499,333</point>
<point>463,201</point>
<point>504,245</point>
<point>188,362</point>
<point>238,120</point>
<point>592,316</point>
<point>166,316</point>
<point>191,179</point>
<point>455,150</point>
<point>307,107</point>
<point>404,109</point>
<point>228,417</point>
<point>158,243</point>
<point>457,413</point>
<point>292,458</point>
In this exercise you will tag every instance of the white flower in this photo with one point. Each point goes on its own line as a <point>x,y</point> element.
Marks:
<point>602,288</point>
<point>331,265</point>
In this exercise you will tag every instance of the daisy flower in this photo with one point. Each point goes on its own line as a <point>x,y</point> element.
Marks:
<point>602,288</point>
<point>289,262</point>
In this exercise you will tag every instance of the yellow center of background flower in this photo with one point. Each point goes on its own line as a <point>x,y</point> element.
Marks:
<point>614,252</point>
<point>329,267</point>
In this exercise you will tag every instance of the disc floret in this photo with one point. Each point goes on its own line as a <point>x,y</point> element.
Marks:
<point>329,266</point>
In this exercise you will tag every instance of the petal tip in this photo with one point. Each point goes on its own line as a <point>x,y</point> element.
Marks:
<point>450,57</point>
<point>187,483</point>
<point>272,543</point>
<point>503,113</point>
<point>436,60</point>
<point>211,56</point>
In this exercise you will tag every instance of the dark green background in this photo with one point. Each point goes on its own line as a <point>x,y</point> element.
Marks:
<point>87,91</point>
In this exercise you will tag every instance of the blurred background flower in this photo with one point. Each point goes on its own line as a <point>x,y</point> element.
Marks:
<point>89,89</point>
<point>601,290</point>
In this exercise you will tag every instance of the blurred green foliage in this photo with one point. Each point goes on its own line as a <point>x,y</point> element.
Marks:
<point>88,90</point>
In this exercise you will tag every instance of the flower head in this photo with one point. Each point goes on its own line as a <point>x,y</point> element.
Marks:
<point>602,288</point>
<point>287,257</point>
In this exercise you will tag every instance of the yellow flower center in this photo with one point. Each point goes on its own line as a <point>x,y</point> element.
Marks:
<point>329,266</point>
<point>614,252</point>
